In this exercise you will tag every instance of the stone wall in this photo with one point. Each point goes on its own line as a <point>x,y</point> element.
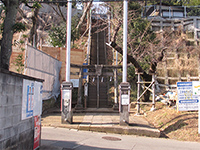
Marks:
<point>15,133</point>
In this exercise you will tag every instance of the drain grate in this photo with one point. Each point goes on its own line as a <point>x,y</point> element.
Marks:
<point>110,138</point>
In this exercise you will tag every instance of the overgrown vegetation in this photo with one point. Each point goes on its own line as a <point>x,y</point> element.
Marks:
<point>19,61</point>
<point>57,33</point>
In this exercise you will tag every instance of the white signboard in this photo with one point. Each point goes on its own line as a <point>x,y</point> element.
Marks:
<point>125,99</point>
<point>31,99</point>
<point>75,82</point>
<point>187,101</point>
<point>37,110</point>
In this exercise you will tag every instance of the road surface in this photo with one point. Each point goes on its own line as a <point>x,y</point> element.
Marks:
<point>66,139</point>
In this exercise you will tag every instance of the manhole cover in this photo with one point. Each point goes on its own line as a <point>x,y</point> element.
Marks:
<point>110,138</point>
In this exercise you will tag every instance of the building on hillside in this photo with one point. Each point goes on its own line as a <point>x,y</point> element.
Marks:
<point>174,17</point>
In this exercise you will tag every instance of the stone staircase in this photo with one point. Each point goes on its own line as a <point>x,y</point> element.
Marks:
<point>98,56</point>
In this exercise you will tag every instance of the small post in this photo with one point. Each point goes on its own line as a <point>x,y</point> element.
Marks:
<point>124,88</point>
<point>153,93</point>
<point>86,94</point>
<point>116,104</point>
<point>66,102</point>
<point>138,95</point>
<point>79,100</point>
<point>185,12</point>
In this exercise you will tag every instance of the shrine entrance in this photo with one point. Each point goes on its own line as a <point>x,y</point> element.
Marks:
<point>99,77</point>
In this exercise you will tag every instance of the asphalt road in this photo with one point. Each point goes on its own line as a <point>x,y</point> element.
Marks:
<point>65,139</point>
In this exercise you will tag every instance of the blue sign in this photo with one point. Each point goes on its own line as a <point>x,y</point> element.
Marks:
<point>30,100</point>
<point>85,70</point>
<point>186,100</point>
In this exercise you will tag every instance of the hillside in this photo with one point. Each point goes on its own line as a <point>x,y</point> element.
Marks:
<point>172,124</point>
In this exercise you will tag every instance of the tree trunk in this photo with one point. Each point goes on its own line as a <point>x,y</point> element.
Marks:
<point>6,44</point>
<point>33,32</point>
<point>130,59</point>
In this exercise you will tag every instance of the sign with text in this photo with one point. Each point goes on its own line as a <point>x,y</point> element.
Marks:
<point>125,99</point>
<point>31,99</point>
<point>187,101</point>
<point>27,99</point>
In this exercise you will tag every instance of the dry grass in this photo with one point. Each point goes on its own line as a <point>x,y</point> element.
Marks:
<point>174,125</point>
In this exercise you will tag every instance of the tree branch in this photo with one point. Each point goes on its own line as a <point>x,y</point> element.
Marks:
<point>84,14</point>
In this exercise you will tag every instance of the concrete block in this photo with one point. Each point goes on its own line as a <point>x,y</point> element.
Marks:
<point>27,135</point>
<point>23,127</point>
<point>2,123</point>
<point>7,143</point>
<point>3,100</point>
<point>7,133</point>
<point>19,82</point>
<point>18,90</point>
<point>8,111</point>
<point>8,89</point>
<point>31,123</point>
<point>1,89</point>
<point>16,119</point>
<point>2,77</point>
<point>1,145</point>
<point>14,141</point>
<point>10,100</point>
<point>22,136</point>
<point>8,122</point>
<point>17,110</point>
<point>2,111</point>
<point>16,130</point>
<point>1,135</point>
<point>18,100</point>
<point>10,80</point>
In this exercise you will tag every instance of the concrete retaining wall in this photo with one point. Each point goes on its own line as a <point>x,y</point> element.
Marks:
<point>15,133</point>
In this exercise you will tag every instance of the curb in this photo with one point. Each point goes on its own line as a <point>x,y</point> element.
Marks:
<point>126,130</point>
